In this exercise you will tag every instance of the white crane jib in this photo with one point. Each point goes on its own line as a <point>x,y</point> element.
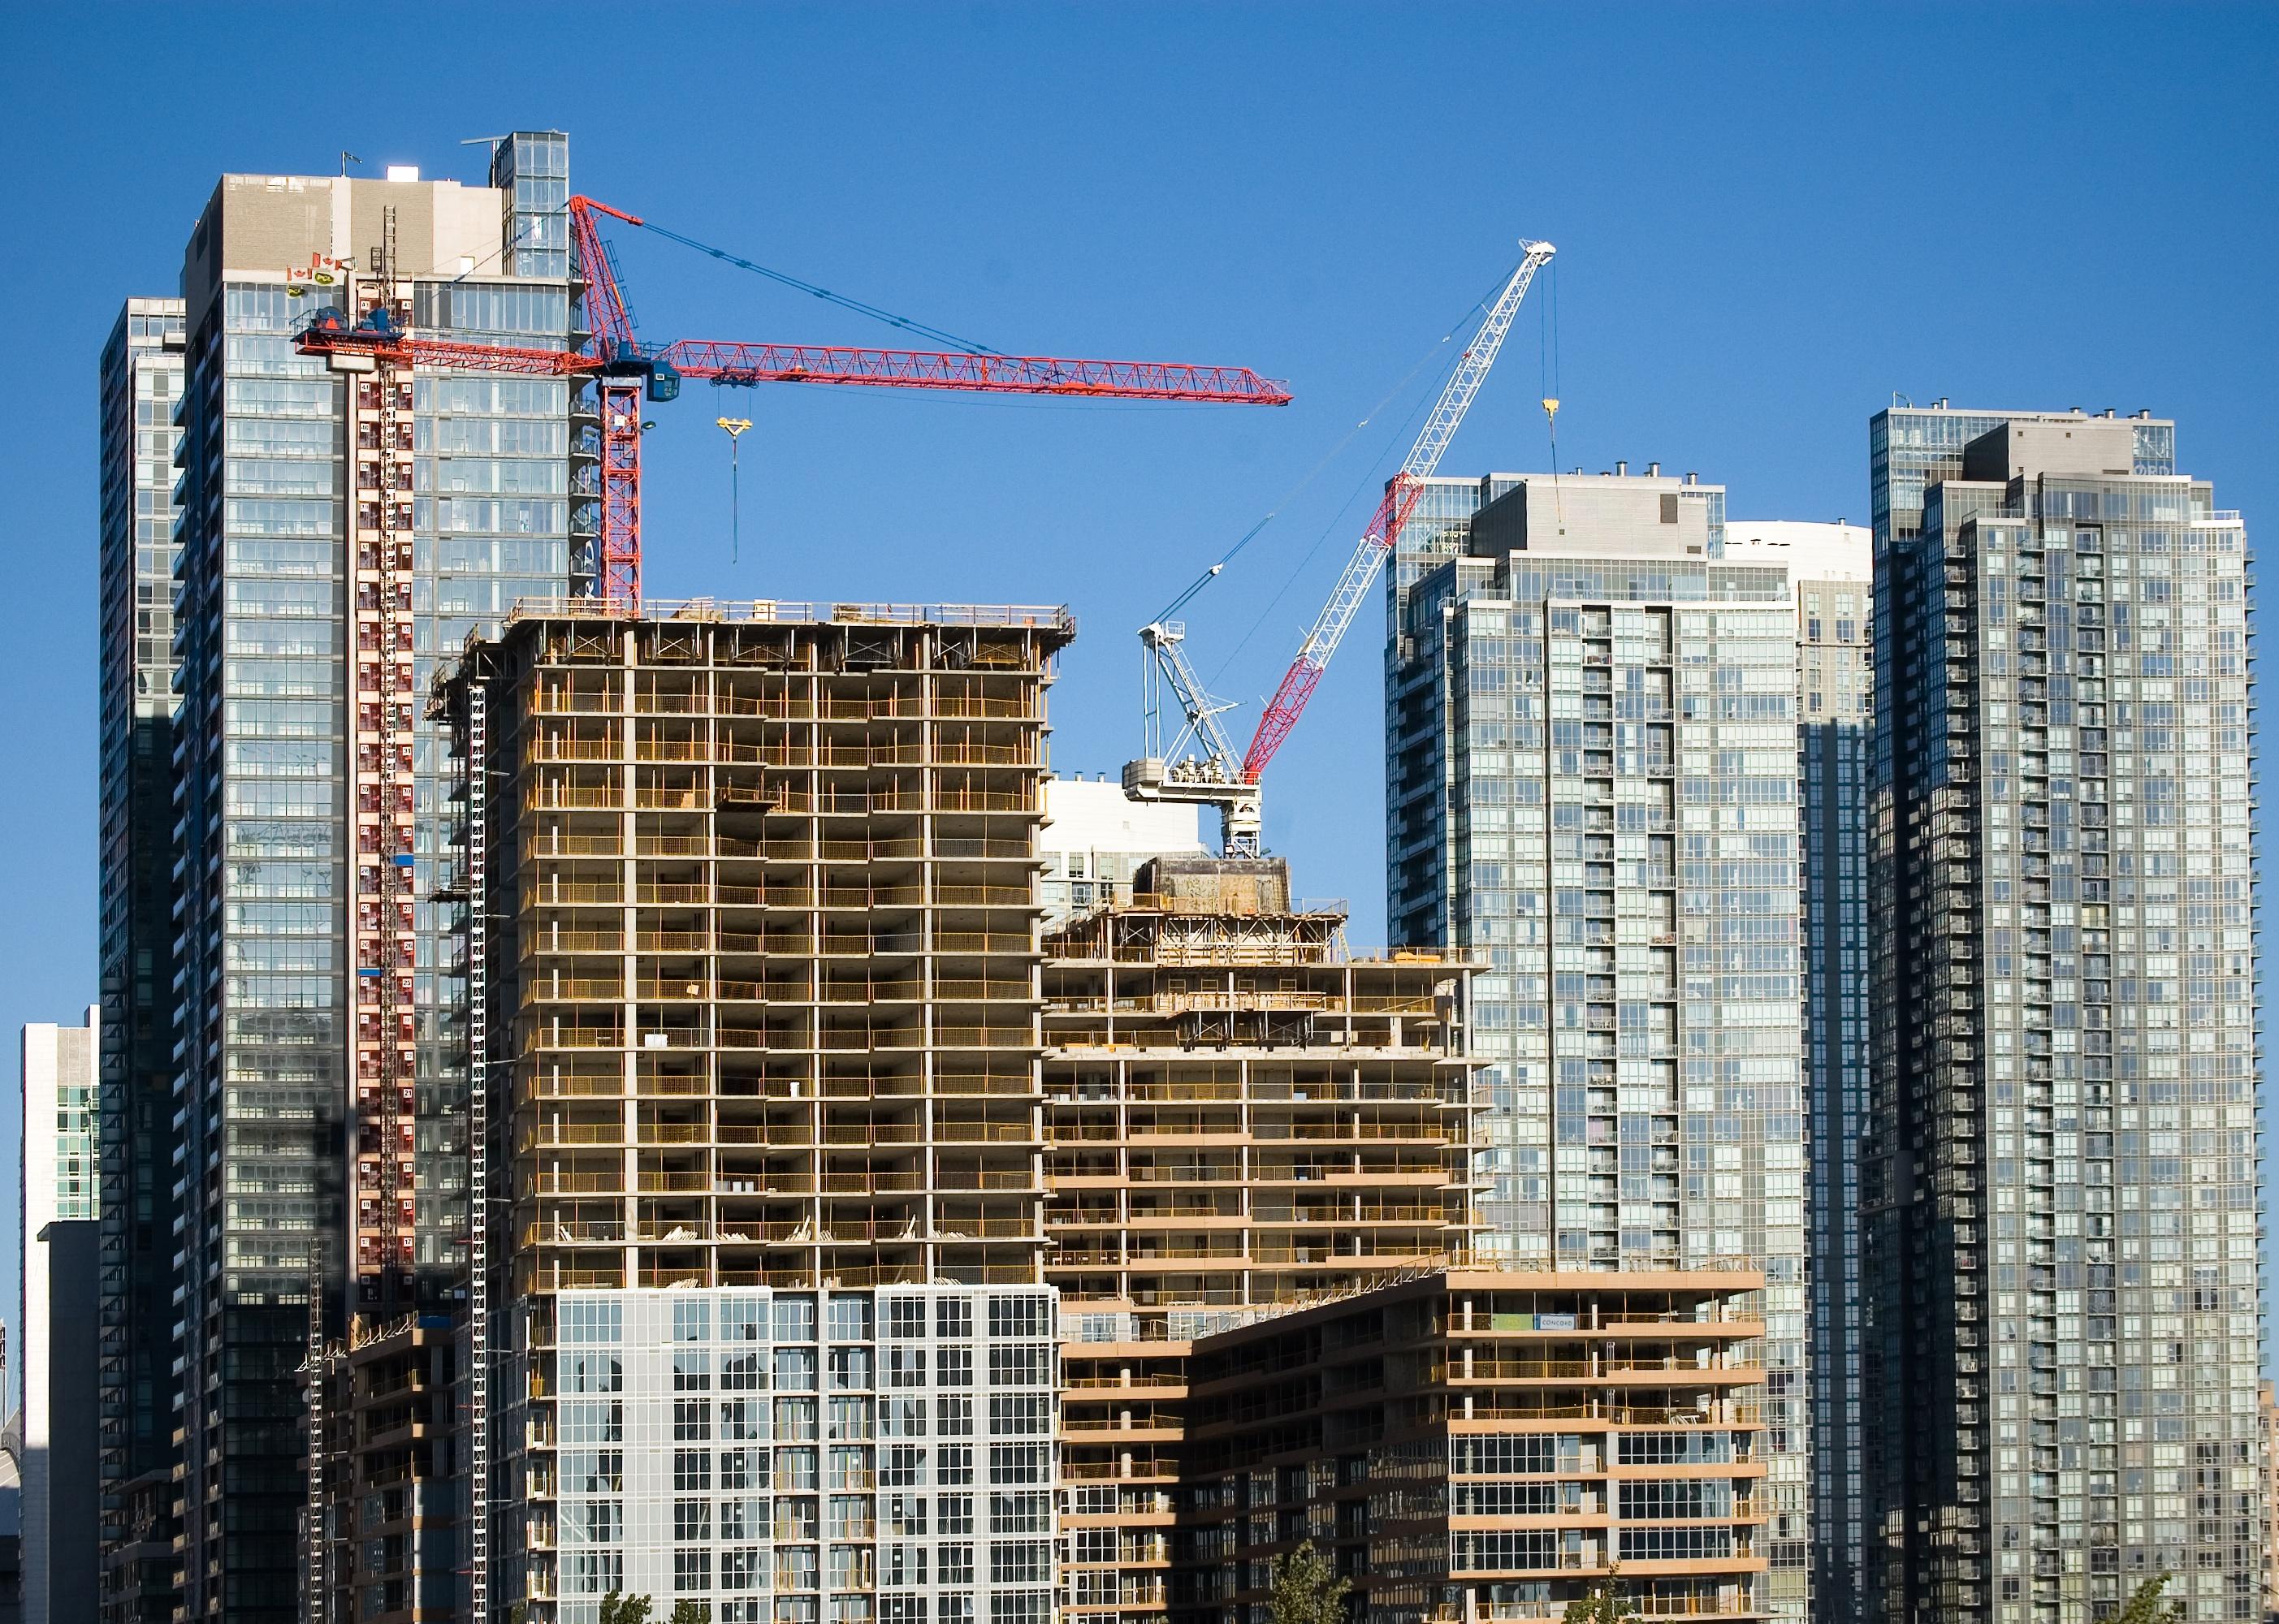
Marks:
<point>1384,533</point>
<point>1199,766</point>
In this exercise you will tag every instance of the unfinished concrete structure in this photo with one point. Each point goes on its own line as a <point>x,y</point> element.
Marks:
<point>759,976</point>
<point>382,1465</point>
<point>1480,1445</point>
<point>1242,1117</point>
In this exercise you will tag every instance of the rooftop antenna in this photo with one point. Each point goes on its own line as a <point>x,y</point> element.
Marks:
<point>735,427</point>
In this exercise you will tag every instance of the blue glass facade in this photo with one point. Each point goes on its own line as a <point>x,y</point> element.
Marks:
<point>1592,744</point>
<point>2061,1194</point>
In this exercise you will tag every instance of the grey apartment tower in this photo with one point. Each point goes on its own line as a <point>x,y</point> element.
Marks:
<point>270,844</point>
<point>2060,1192</point>
<point>1592,784</point>
<point>140,387</point>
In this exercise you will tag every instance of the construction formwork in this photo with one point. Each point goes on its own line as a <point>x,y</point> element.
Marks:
<point>763,976</point>
<point>1243,1118</point>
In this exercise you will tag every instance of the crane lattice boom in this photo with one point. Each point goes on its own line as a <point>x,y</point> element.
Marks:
<point>730,363</point>
<point>1384,533</point>
<point>629,372</point>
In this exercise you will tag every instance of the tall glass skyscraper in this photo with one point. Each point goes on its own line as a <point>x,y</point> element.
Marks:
<point>140,387</point>
<point>263,634</point>
<point>1828,568</point>
<point>1592,744</point>
<point>2062,1192</point>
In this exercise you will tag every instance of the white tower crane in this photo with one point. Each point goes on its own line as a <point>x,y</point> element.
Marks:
<point>1199,766</point>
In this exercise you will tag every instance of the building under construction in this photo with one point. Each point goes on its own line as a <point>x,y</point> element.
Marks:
<point>1243,1117</point>
<point>760,978</point>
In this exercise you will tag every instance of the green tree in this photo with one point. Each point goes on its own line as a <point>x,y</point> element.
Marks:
<point>687,1612</point>
<point>1306,1589</point>
<point>1604,1605</point>
<point>2145,1606</point>
<point>617,1608</point>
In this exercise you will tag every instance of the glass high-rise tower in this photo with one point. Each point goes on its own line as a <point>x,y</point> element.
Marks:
<point>140,385</point>
<point>1592,744</point>
<point>264,990</point>
<point>1829,570</point>
<point>2062,1192</point>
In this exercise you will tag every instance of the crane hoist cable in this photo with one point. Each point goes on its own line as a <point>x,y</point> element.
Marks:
<point>908,323</point>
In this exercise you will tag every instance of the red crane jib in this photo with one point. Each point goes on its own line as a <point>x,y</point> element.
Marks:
<point>629,369</point>
<point>729,362</point>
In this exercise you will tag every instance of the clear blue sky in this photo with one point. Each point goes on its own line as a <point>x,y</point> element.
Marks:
<point>1768,220</point>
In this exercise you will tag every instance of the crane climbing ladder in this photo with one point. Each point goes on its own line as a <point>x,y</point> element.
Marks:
<point>1200,767</point>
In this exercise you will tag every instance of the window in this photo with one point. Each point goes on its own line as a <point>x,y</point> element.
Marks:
<point>593,1572</point>
<point>850,1419</point>
<point>1019,1316</point>
<point>953,1464</point>
<point>906,1318</point>
<point>957,1511</point>
<point>592,1373</point>
<point>796,1320</point>
<point>1018,1463</point>
<point>691,1519</point>
<point>592,1522</point>
<point>956,1564</point>
<point>692,1420</point>
<point>955,1366</point>
<point>593,1471</point>
<point>953,1320</point>
<point>692,1570</point>
<point>692,1469</point>
<point>903,1467</point>
<point>906,1367</point>
<point>850,1319</point>
<point>1021,1366</point>
<point>1019,1606</point>
<point>1020,1513</point>
<point>1018,1414</point>
<point>593,1421</point>
<point>691,1370</point>
<point>739,1569</point>
<point>741,1373</point>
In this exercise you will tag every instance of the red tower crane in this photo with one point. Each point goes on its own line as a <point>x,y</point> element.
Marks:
<point>628,374</point>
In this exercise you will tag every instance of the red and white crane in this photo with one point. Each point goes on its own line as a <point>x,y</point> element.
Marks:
<point>629,373</point>
<point>1201,767</point>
